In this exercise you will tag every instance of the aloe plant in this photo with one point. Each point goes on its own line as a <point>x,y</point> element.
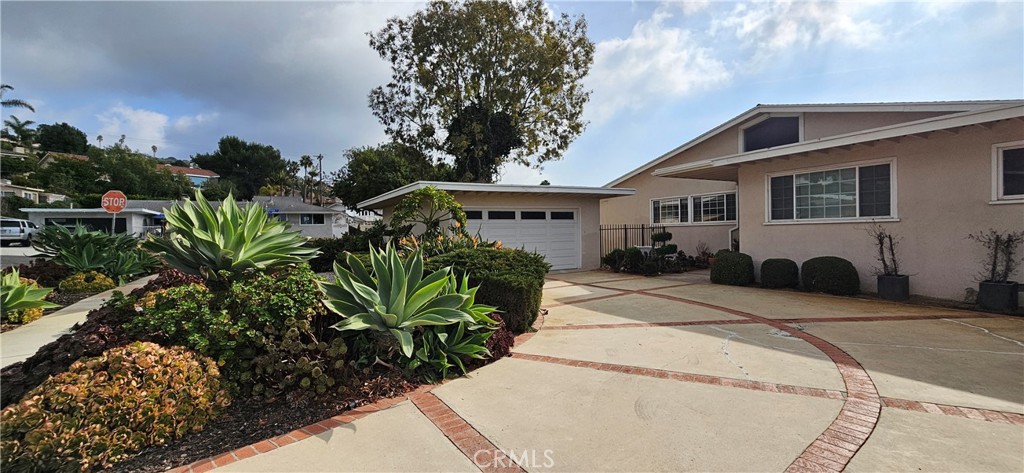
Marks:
<point>393,296</point>
<point>16,296</point>
<point>206,241</point>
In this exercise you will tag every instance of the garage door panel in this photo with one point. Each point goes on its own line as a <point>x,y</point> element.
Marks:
<point>557,240</point>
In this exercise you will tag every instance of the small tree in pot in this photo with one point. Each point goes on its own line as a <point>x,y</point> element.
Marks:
<point>995,290</point>
<point>892,285</point>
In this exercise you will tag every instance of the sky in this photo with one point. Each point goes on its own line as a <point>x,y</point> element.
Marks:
<point>180,75</point>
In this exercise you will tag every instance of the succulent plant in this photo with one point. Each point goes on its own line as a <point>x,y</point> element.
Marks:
<point>18,294</point>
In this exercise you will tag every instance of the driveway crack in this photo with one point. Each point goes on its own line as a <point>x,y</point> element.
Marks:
<point>983,329</point>
<point>725,351</point>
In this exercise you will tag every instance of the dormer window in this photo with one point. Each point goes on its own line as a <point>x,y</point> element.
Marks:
<point>770,132</point>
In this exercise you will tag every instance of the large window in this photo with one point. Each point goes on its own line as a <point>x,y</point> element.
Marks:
<point>1009,171</point>
<point>772,131</point>
<point>846,193</point>
<point>311,219</point>
<point>709,208</point>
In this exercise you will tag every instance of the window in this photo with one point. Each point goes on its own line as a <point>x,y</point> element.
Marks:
<point>501,215</point>
<point>311,219</point>
<point>533,215</point>
<point>773,131</point>
<point>847,193</point>
<point>474,215</point>
<point>563,215</point>
<point>709,208</point>
<point>1009,172</point>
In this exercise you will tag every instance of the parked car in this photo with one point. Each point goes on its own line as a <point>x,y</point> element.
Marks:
<point>13,230</point>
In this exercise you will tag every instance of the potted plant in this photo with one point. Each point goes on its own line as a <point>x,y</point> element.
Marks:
<point>892,285</point>
<point>995,289</point>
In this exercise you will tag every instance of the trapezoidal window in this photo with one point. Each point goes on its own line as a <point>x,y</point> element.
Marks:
<point>774,131</point>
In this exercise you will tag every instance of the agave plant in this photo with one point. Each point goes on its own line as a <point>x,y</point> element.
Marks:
<point>16,296</point>
<point>53,239</point>
<point>206,241</point>
<point>394,297</point>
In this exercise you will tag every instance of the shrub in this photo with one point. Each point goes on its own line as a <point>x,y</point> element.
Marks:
<point>510,279</point>
<point>104,409</point>
<point>650,268</point>
<point>614,259</point>
<point>89,282</point>
<point>779,272</point>
<point>47,273</point>
<point>330,251</point>
<point>831,275</point>
<point>222,243</point>
<point>21,298</point>
<point>435,320</point>
<point>669,249</point>
<point>733,268</point>
<point>661,237</point>
<point>722,252</point>
<point>633,262</point>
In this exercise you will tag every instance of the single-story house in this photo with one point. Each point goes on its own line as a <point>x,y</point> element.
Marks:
<point>799,181</point>
<point>38,196</point>
<point>560,222</point>
<point>146,216</point>
<point>52,156</point>
<point>198,176</point>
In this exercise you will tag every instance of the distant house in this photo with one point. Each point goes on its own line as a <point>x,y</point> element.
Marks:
<point>38,196</point>
<point>803,180</point>
<point>146,216</point>
<point>198,176</point>
<point>52,156</point>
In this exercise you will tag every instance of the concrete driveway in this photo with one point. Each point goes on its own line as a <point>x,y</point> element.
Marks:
<point>674,374</point>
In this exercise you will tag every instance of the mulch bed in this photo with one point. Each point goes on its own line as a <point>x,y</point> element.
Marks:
<point>248,421</point>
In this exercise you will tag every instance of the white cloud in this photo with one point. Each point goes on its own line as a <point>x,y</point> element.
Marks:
<point>656,62</point>
<point>769,28</point>
<point>184,123</point>
<point>140,126</point>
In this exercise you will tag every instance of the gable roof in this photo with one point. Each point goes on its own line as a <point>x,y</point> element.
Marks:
<point>950,106</point>
<point>54,154</point>
<point>189,171</point>
<point>723,167</point>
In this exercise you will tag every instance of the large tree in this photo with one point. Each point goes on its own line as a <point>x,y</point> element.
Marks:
<point>21,130</point>
<point>487,82</point>
<point>136,174</point>
<point>62,138</point>
<point>248,166</point>
<point>374,170</point>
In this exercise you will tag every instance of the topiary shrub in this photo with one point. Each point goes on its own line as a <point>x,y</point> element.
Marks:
<point>779,273</point>
<point>614,259</point>
<point>831,275</point>
<point>668,249</point>
<point>88,282</point>
<point>104,409</point>
<point>510,279</point>
<point>733,268</point>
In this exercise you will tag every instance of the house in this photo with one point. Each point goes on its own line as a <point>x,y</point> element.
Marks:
<point>146,216</point>
<point>199,177</point>
<point>562,223</point>
<point>799,181</point>
<point>52,156</point>
<point>37,196</point>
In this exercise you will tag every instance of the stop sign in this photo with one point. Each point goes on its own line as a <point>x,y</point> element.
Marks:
<point>114,201</point>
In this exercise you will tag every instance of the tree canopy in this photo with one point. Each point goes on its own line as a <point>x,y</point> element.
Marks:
<point>374,170</point>
<point>487,82</point>
<point>248,166</point>
<point>61,138</point>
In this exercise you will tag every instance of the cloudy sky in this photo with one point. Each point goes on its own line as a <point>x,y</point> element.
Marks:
<point>296,75</point>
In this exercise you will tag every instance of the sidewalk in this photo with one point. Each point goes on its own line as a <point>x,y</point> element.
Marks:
<point>23,342</point>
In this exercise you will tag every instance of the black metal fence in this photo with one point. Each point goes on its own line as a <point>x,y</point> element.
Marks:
<point>626,235</point>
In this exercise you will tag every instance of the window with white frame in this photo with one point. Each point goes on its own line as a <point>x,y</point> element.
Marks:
<point>1009,171</point>
<point>846,193</point>
<point>707,208</point>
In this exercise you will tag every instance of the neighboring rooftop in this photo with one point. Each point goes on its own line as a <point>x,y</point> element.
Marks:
<point>284,205</point>
<point>190,171</point>
<point>389,198</point>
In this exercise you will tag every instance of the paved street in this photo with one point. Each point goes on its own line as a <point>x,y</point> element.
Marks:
<point>15,255</point>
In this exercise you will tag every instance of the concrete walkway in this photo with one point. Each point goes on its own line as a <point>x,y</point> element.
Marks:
<point>19,344</point>
<point>674,374</point>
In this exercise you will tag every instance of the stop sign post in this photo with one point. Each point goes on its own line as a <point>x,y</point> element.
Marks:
<point>114,202</point>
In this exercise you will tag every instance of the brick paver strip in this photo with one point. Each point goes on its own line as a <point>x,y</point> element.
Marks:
<point>687,377</point>
<point>477,448</point>
<point>988,415</point>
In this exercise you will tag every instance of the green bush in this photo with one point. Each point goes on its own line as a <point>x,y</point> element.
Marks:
<point>510,279</point>
<point>633,262</point>
<point>104,409</point>
<point>614,259</point>
<point>661,237</point>
<point>831,275</point>
<point>779,272</point>
<point>669,249</point>
<point>733,268</point>
<point>331,249</point>
<point>89,282</point>
<point>269,331</point>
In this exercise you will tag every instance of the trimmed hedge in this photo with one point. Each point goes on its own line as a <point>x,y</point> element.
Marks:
<point>831,275</point>
<point>733,268</point>
<point>779,272</point>
<point>510,279</point>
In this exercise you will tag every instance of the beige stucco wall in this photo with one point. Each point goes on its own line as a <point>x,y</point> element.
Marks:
<point>588,208</point>
<point>944,186</point>
<point>819,124</point>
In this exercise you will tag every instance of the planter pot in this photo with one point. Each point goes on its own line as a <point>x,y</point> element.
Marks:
<point>894,288</point>
<point>1001,296</point>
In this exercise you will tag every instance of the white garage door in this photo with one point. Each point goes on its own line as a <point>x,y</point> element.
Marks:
<point>554,233</point>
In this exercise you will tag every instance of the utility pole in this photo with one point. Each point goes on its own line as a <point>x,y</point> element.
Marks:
<point>320,184</point>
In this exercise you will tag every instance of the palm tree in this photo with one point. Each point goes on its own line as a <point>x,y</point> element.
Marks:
<point>292,169</point>
<point>22,130</point>
<point>306,162</point>
<point>12,103</point>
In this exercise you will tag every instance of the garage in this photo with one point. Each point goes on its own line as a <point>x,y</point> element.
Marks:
<point>562,223</point>
<point>554,233</point>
